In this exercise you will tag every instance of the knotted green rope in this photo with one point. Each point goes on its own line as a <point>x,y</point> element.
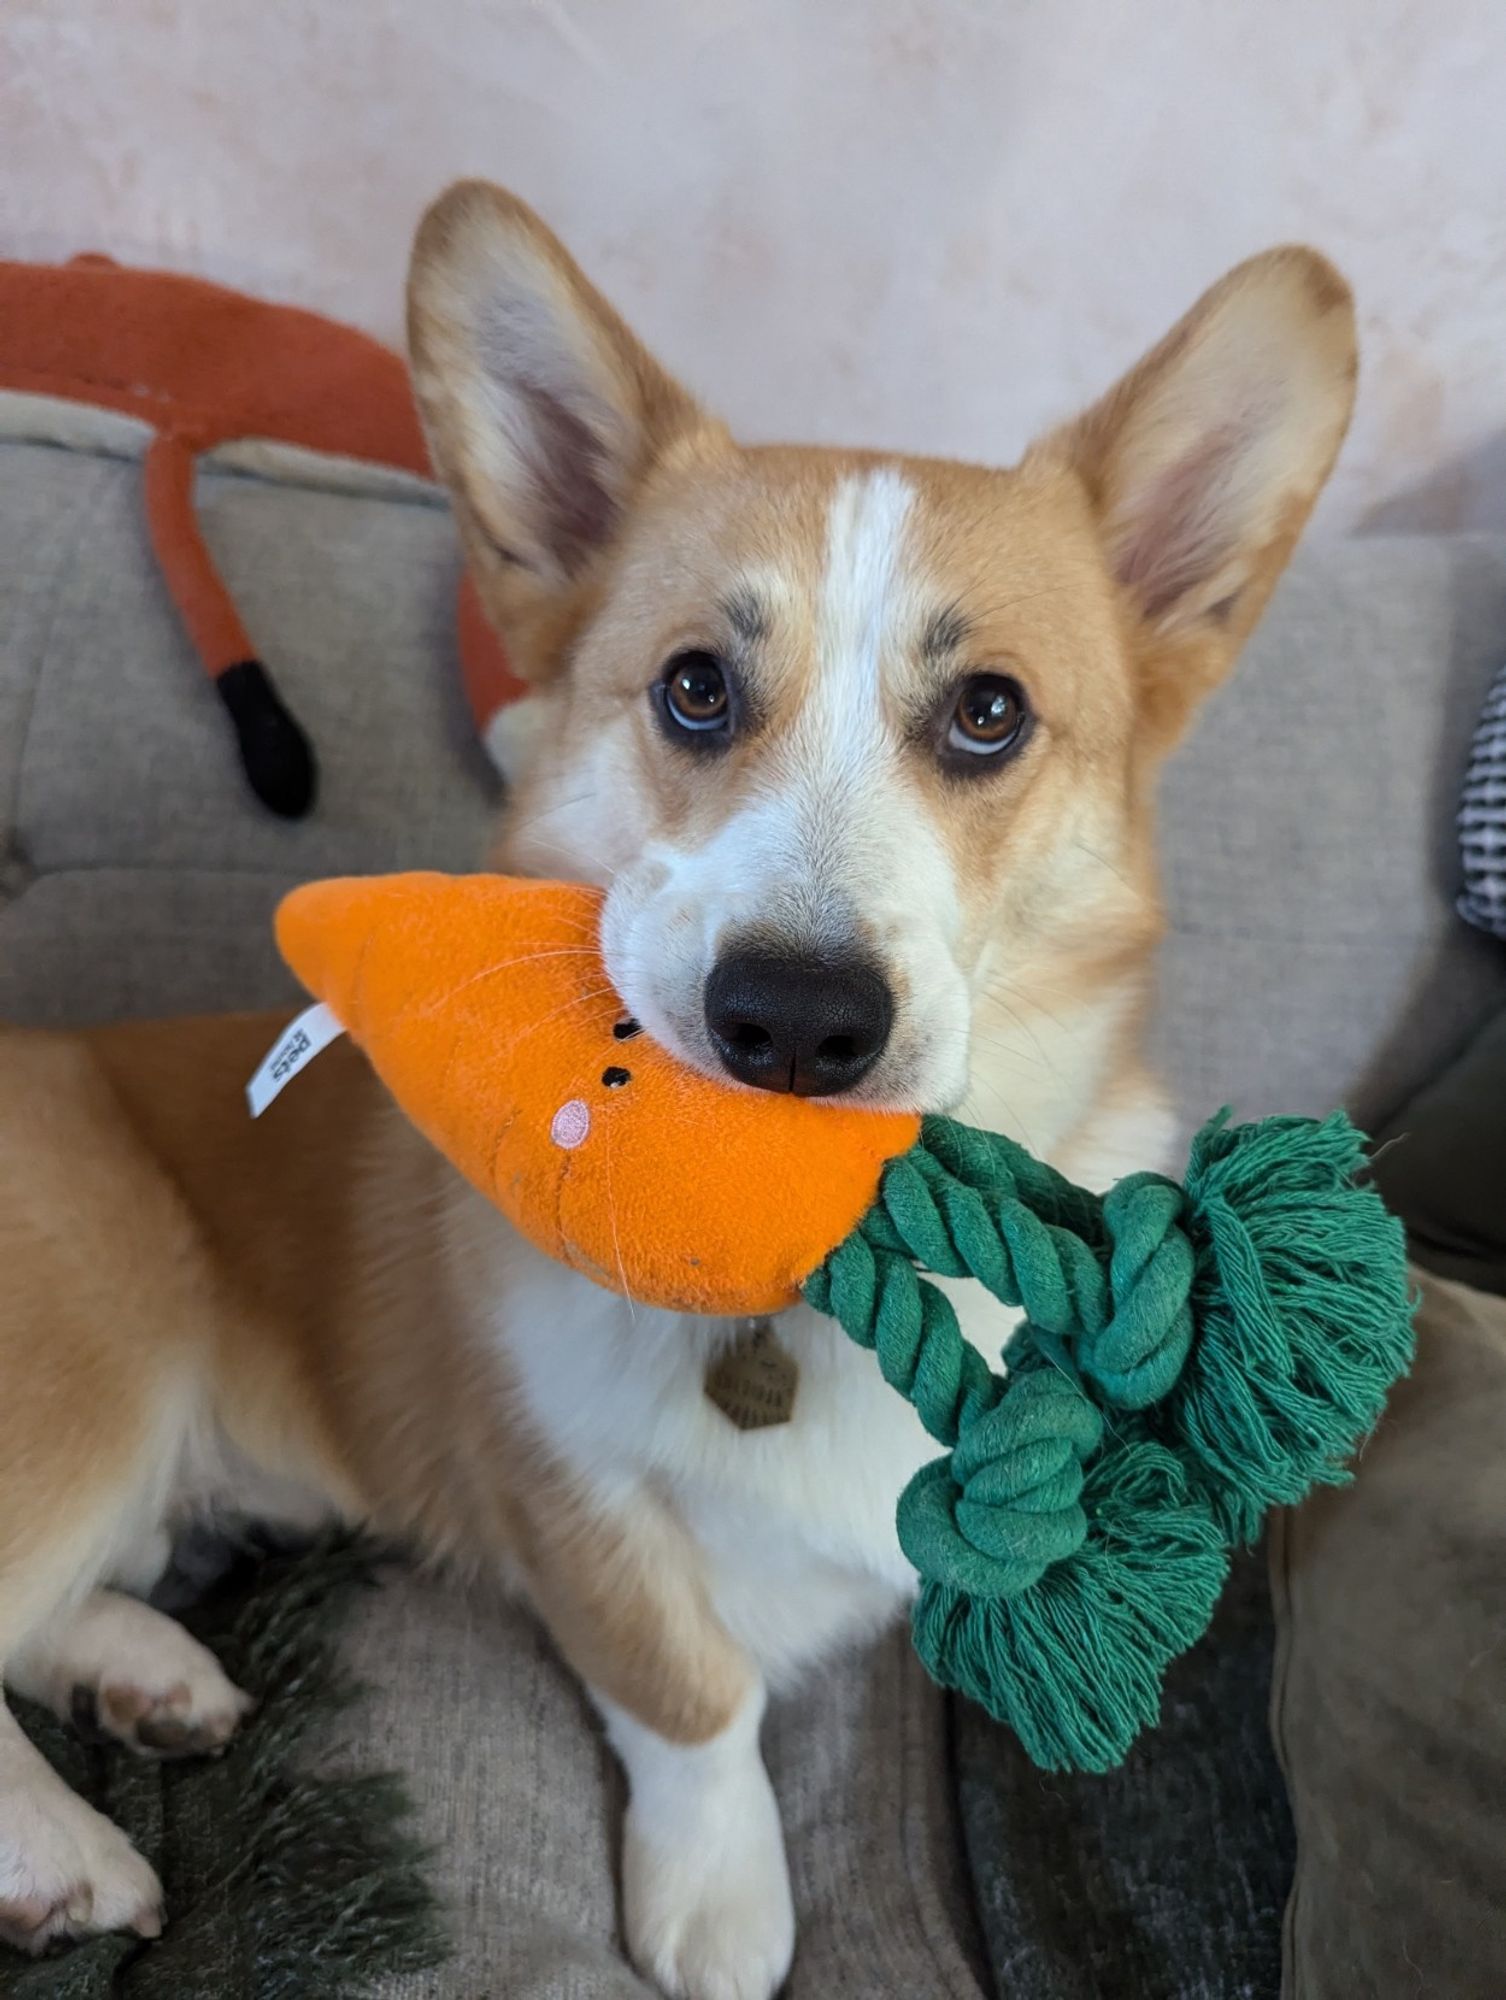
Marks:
<point>1190,1356</point>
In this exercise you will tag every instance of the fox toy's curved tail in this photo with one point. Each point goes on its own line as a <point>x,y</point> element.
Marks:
<point>205,365</point>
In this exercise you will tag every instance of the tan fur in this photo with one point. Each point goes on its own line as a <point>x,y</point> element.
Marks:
<point>282,1277</point>
<point>189,1299</point>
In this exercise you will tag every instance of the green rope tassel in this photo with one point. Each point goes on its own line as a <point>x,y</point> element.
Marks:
<point>1190,1357</point>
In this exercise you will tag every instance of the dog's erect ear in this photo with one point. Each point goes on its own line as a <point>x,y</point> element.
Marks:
<point>542,410</point>
<point>1203,465</point>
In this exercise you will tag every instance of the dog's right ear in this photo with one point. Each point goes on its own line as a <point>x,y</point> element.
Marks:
<point>1202,467</point>
<point>542,410</point>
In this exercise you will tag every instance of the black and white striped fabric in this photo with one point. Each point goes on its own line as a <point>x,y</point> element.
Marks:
<point>1482,818</point>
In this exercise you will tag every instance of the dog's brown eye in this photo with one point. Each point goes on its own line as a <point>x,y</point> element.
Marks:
<point>696,696</point>
<point>988,717</point>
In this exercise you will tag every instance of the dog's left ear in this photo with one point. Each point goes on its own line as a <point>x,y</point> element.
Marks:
<point>1203,464</point>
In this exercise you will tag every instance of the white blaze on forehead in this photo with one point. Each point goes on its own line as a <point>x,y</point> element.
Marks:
<point>863,587</point>
<point>831,844</point>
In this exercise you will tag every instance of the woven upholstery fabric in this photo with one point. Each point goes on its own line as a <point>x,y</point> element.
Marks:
<point>1482,819</point>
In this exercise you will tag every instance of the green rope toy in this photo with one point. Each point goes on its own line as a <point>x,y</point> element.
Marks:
<point>1190,1356</point>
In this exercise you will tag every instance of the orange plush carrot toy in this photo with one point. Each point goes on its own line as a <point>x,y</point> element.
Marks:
<point>1191,1355</point>
<point>203,365</point>
<point>474,993</point>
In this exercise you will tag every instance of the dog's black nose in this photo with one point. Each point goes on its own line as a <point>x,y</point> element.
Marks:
<point>797,1024</point>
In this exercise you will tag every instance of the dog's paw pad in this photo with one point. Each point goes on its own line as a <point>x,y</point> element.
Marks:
<point>34,1923</point>
<point>722,1954</point>
<point>192,1717</point>
<point>82,1877</point>
<point>709,1924</point>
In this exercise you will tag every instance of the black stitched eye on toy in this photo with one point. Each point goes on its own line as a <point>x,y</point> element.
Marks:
<point>988,718</point>
<point>695,694</point>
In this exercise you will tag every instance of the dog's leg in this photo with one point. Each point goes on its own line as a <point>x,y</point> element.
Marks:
<point>706,1893</point>
<point>113,1664</point>
<point>705,1888</point>
<point>64,1869</point>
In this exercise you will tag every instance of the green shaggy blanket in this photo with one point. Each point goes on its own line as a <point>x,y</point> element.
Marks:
<point>281,1884</point>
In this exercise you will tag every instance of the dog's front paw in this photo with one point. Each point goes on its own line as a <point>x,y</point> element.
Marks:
<point>194,1716</point>
<point>708,1909</point>
<point>66,1872</point>
<point>117,1668</point>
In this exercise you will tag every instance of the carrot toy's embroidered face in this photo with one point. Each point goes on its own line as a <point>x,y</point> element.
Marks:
<point>861,748</point>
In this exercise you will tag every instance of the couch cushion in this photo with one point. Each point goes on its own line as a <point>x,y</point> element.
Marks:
<point>1164,1878</point>
<point>1389,1706</point>
<point>1442,1165</point>
<point>1308,831</point>
<point>138,874</point>
<point>1388,1703</point>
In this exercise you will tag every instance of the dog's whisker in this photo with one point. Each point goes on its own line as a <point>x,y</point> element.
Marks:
<point>438,1005</point>
<point>996,1045</point>
<point>988,609</point>
<point>593,855</point>
<point>997,987</point>
<point>575,1000</point>
<point>583,927</point>
<point>1103,862</point>
<point>972,1038</point>
<point>1047,1060</point>
<point>1016,1124</point>
<point>626,1289</point>
<point>548,812</point>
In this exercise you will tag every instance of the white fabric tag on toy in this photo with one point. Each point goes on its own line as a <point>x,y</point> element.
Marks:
<point>294,1049</point>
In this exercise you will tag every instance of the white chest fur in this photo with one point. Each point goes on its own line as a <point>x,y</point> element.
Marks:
<point>796,1520</point>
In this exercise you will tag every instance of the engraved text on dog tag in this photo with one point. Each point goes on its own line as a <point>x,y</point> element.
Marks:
<point>753,1380</point>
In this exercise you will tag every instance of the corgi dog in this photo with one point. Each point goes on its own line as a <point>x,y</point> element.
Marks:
<point>863,750</point>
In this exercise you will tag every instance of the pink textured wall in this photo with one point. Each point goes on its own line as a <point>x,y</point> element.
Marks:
<point>927,223</point>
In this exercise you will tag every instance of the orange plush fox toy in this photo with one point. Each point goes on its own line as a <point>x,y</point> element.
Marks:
<point>203,365</point>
